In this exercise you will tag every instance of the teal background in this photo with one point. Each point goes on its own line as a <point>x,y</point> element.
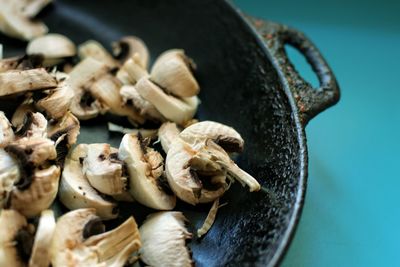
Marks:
<point>351,215</point>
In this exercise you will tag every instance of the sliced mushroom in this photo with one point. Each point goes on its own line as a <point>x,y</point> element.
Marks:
<point>14,23</point>
<point>164,237</point>
<point>54,47</point>
<point>6,131</point>
<point>131,98</point>
<point>145,168</point>
<point>95,50</point>
<point>172,71</point>
<point>40,256</point>
<point>75,192</point>
<point>33,7</point>
<point>84,106</point>
<point>146,133</point>
<point>18,117</point>
<point>75,245</point>
<point>225,136</point>
<point>16,238</point>
<point>57,102</point>
<point>21,63</point>
<point>34,125</point>
<point>167,134</point>
<point>9,175</point>
<point>34,150</point>
<point>18,81</point>
<point>106,90</point>
<point>104,171</point>
<point>39,195</point>
<point>67,125</point>
<point>132,71</point>
<point>193,176</point>
<point>178,110</point>
<point>127,46</point>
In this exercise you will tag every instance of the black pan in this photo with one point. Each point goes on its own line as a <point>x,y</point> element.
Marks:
<point>247,82</point>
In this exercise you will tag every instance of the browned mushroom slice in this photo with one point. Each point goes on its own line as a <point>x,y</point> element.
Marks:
<point>127,46</point>
<point>18,81</point>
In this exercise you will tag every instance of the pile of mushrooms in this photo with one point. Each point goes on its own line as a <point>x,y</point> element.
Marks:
<point>58,84</point>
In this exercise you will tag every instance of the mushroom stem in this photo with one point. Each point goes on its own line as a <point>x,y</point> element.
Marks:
<point>240,175</point>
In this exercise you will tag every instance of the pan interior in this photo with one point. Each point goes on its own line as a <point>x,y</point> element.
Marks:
<point>239,87</point>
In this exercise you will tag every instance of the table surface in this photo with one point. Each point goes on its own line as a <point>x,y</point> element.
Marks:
<point>351,214</point>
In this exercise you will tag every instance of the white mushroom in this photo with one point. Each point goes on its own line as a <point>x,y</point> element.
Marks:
<point>9,175</point>
<point>40,256</point>
<point>14,23</point>
<point>31,199</point>
<point>54,47</point>
<point>145,168</point>
<point>167,134</point>
<point>178,110</point>
<point>172,71</point>
<point>132,99</point>
<point>18,81</point>
<point>82,76</point>
<point>225,136</point>
<point>75,192</point>
<point>34,125</point>
<point>66,127</point>
<point>18,118</point>
<point>96,51</point>
<point>104,171</point>
<point>6,131</point>
<point>164,238</point>
<point>132,71</point>
<point>127,46</point>
<point>16,238</point>
<point>106,91</point>
<point>79,241</point>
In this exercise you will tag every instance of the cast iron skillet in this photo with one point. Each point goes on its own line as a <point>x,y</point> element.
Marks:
<point>246,82</point>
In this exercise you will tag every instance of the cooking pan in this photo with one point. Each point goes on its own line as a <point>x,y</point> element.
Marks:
<point>247,82</point>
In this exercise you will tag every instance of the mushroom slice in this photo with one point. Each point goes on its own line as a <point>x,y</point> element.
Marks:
<point>106,90</point>
<point>33,7</point>
<point>9,174</point>
<point>145,167</point>
<point>104,171</point>
<point>39,195</point>
<point>21,63</point>
<point>74,245</point>
<point>40,256</point>
<point>178,110</point>
<point>57,102</point>
<point>225,136</point>
<point>95,50</point>
<point>14,23</point>
<point>16,239</point>
<point>34,150</point>
<point>6,132</point>
<point>127,46</point>
<point>132,70</point>
<point>18,117</point>
<point>84,106</point>
<point>146,133</point>
<point>164,238</point>
<point>34,125</point>
<point>172,71</point>
<point>167,134</point>
<point>68,125</point>
<point>192,175</point>
<point>75,192</point>
<point>18,81</point>
<point>209,221</point>
<point>54,47</point>
<point>131,97</point>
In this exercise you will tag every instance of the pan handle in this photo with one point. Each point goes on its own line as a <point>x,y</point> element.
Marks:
<point>310,101</point>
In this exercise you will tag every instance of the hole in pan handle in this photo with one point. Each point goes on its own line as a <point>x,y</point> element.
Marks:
<point>310,101</point>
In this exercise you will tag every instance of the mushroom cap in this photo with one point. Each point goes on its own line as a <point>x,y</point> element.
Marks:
<point>143,179</point>
<point>172,71</point>
<point>164,237</point>
<point>225,136</point>
<point>95,50</point>
<point>103,169</point>
<point>39,195</point>
<point>11,222</point>
<point>128,46</point>
<point>53,46</point>
<point>75,192</point>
